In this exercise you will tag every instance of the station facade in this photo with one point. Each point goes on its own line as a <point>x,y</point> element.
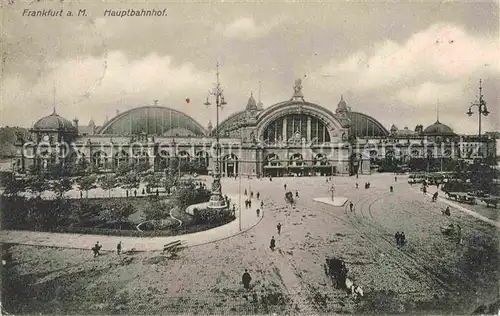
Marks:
<point>292,137</point>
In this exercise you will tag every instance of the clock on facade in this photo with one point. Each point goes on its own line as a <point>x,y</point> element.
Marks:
<point>46,138</point>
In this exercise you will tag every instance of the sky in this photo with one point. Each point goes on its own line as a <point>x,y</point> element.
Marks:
<point>396,61</point>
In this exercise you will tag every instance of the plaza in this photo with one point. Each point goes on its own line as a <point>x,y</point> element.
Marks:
<point>430,274</point>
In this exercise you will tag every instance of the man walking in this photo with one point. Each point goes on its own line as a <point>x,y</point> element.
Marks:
<point>246,278</point>
<point>96,249</point>
<point>279,228</point>
<point>119,247</point>
<point>351,206</point>
<point>284,186</point>
<point>258,195</point>
<point>272,244</point>
<point>397,236</point>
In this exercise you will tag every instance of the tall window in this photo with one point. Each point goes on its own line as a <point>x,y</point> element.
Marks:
<point>297,124</point>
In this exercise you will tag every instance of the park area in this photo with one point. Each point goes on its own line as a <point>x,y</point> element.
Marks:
<point>432,273</point>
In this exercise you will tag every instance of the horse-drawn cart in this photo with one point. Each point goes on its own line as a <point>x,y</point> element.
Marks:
<point>336,270</point>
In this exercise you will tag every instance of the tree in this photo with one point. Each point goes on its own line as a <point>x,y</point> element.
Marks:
<point>37,184</point>
<point>86,183</point>
<point>188,194</point>
<point>124,169</point>
<point>108,183</point>
<point>131,181</point>
<point>119,213</point>
<point>14,186</point>
<point>61,186</point>
<point>142,166</point>
<point>85,211</point>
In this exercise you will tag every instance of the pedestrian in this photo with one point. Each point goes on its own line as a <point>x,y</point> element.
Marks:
<point>272,244</point>
<point>96,249</point>
<point>391,188</point>
<point>157,192</point>
<point>424,189</point>
<point>395,179</point>
<point>270,179</point>
<point>251,194</point>
<point>296,193</point>
<point>234,209</point>
<point>402,238</point>
<point>119,247</point>
<point>81,194</point>
<point>356,175</point>
<point>135,193</point>
<point>246,278</point>
<point>447,211</point>
<point>279,228</point>
<point>262,204</point>
<point>250,203</point>
<point>258,212</point>
<point>245,192</point>
<point>397,237</point>
<point>126,192</point>
<point>356,185</point>
<point>258,195</point>
<point>351,206</point>
<point>143,192</point>
<point>284,186</point>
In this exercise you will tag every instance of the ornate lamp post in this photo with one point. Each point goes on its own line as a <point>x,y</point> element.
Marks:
<point>217,201</point>
<point>482,110</point>
<point>481,104</point>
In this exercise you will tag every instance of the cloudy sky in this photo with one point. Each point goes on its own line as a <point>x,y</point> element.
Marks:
<point>393,61</point>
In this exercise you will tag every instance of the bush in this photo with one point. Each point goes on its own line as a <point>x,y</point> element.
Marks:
<point>209,216</point>
<point>159,210</point>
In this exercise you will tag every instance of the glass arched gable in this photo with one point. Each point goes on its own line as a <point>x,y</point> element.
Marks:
<point>153,120</point>
<point>296,127</point>
<point>363,125</point>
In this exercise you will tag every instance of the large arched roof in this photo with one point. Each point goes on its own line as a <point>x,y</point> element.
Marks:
<point>363,125</point>
<point>153,120</point>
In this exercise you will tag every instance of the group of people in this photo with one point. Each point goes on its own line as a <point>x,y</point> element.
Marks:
<point>97,248</point>
<point>400,238</point>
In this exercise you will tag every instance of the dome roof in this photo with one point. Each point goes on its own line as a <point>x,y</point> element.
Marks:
<point>438,128</point>
<point>342,106</point>
<point>251,104</point>
<point>54,122</point>
<point>153,120</point>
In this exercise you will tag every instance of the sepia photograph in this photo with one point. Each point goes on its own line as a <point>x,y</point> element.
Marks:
<point>250,157</point>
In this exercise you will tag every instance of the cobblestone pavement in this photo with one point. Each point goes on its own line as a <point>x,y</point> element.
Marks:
<point>428,274</point>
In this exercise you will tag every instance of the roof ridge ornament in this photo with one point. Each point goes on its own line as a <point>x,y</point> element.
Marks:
<point>297,91</point>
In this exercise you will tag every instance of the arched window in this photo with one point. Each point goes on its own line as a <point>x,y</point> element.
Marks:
<point>99,159</point>
<point>230,165</point>
<point>296,127</point>
<point>296,160</point>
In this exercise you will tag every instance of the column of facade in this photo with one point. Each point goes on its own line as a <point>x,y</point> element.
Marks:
<point>283,137</point>
<point>308,129</point>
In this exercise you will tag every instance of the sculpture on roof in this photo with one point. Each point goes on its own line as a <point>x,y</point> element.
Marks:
<point>297,90</point>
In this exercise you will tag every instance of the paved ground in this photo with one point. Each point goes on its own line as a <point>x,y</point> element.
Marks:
<point>431,274</point>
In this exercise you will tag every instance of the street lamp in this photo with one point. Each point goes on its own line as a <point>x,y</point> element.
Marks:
<point>217,201</point>
<point>482,110</point>
<point>481,107</point>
